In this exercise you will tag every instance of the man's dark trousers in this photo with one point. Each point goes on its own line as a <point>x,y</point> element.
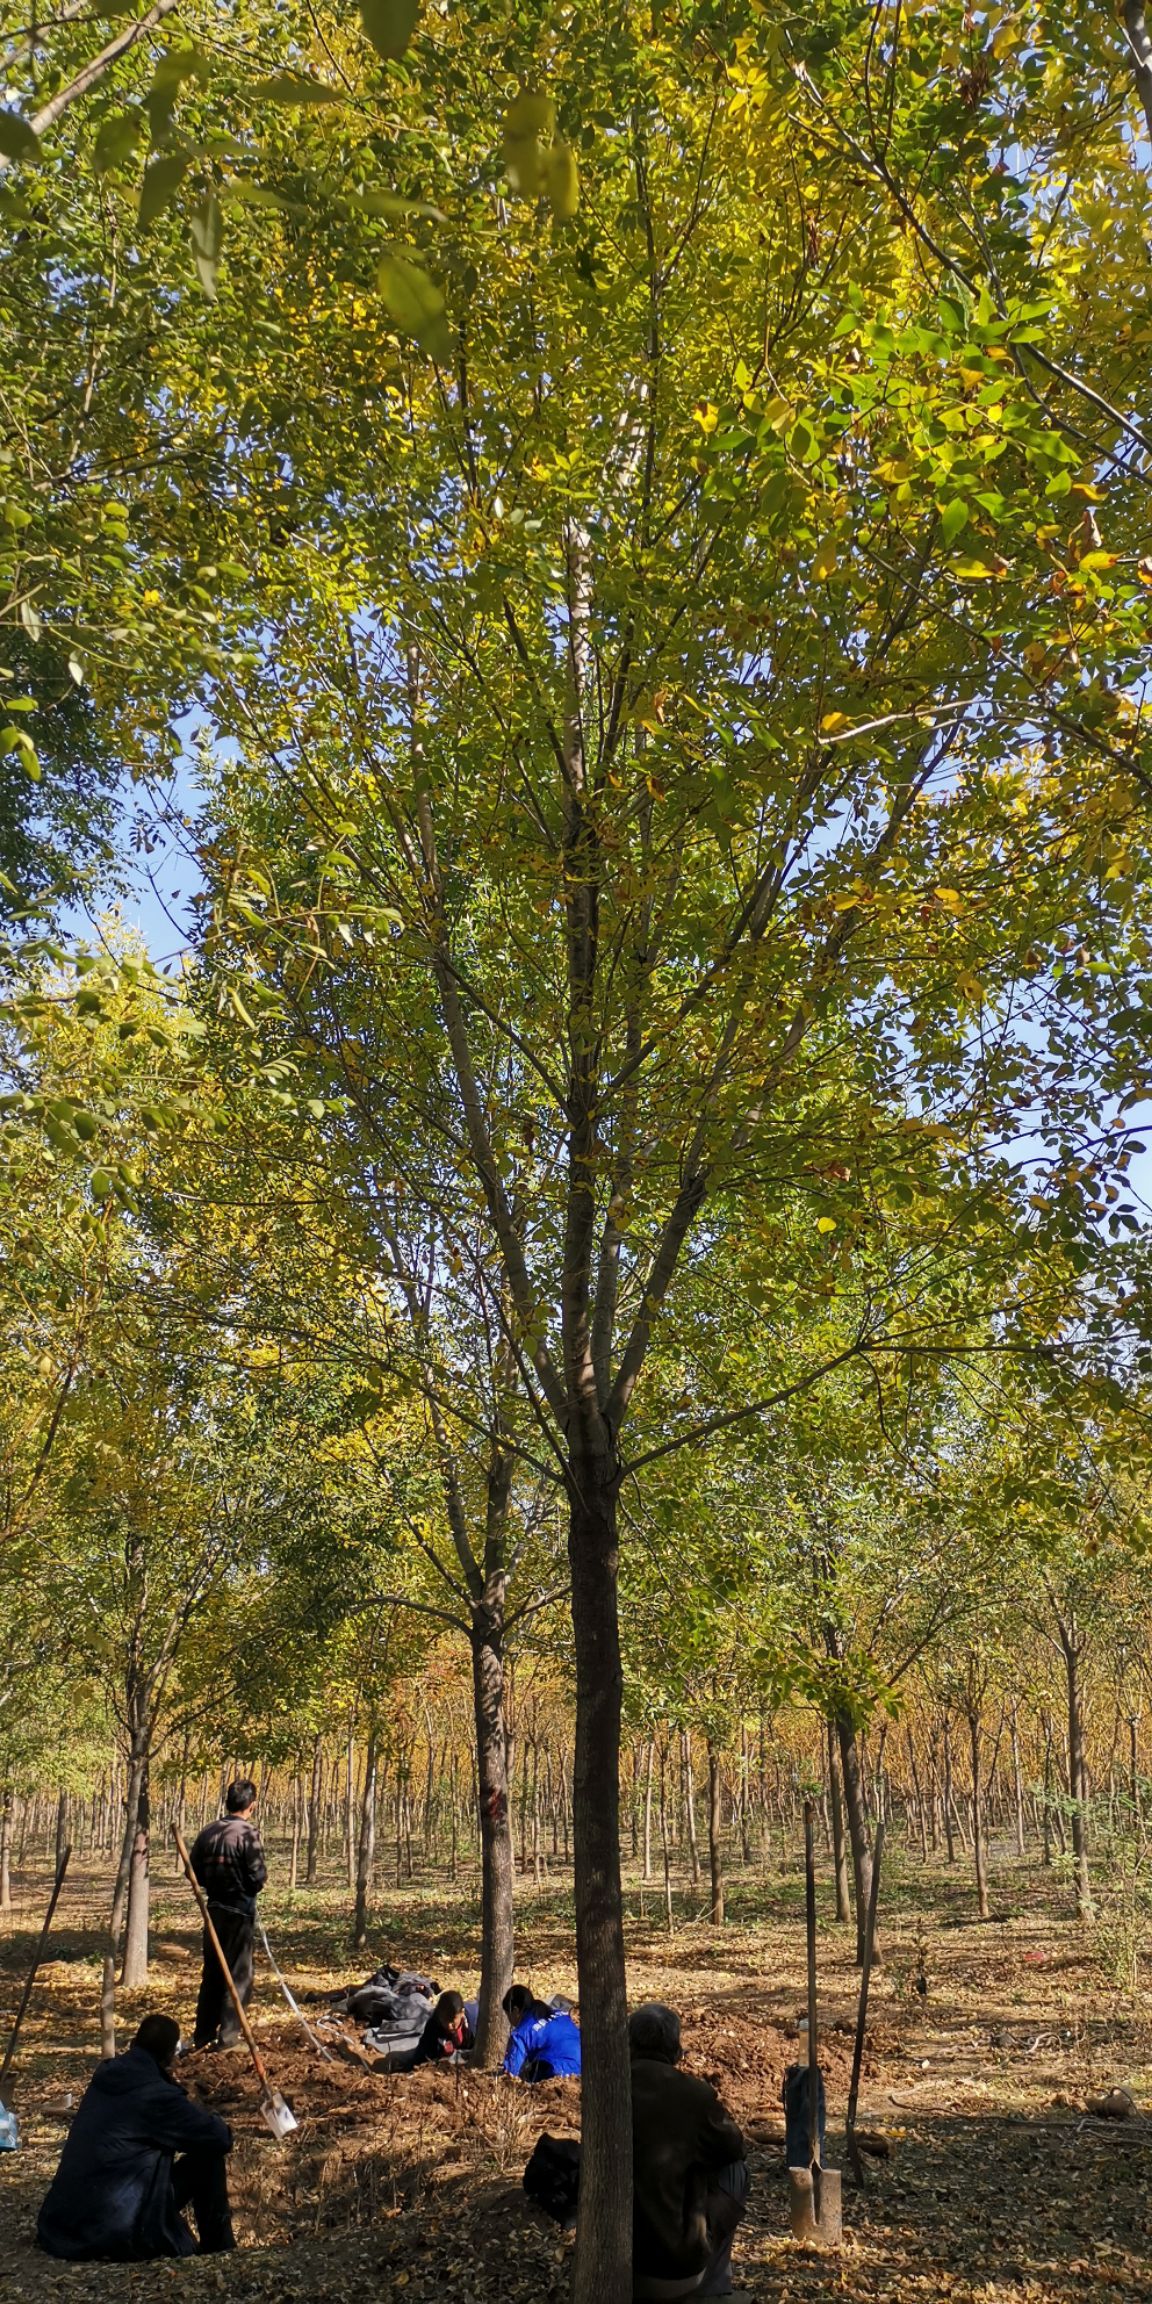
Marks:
<point>200,2182</point>
<point>215,2012</point>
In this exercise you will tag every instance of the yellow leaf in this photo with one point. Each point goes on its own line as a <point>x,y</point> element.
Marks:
<point>706,415</point>
<point>824,565</point>
<point>832,721</point>
<point>949,896</point>
<point>826,1224</point>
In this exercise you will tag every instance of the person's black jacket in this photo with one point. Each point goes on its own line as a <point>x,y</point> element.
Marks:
<point>228,1861</point>
<point>112,2194</point>
<point>436,2042</point>
<point>681,2137</point>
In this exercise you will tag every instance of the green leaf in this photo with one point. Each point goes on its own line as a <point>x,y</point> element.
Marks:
<point>119,135</point>
<point>18,138</point>
<point>206,230</point>
<point>389,25</point>
<point>529,126</point>
<point>295,88</point>
<point>162,180</point>
<point>563,181</point>
<point>378,203</point>
<point>416,304</point>
<point>16,740</point>
<point>953,517</point>
<point>100,1184</point>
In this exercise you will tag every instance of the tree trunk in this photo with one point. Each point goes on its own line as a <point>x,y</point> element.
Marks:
<point>137,1762</point>
<point>496,1864</point>
<point>857,1825</point>
<point>649,1764</point>
<point>690,1804</point>
<point>1018,1785</point>
<point>603,2267</point>
<point>366,1840</point>
<point>134,1974</point>
<point>979,1854</point>
<point>839,1849</point>
<point>1077,1777</point>
<point>948,1803</point>
<point>314,1812</point>
<point>715,1847</point>
<point>6,1803</point>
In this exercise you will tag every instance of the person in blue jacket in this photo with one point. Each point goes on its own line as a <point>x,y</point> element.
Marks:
<point>120,2186</point>
<point>544,2043</point>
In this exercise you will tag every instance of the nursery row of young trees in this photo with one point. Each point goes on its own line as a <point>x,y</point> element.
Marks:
<point>641,520</point>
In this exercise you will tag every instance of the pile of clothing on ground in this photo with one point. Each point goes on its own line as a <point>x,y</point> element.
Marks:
<point>392,2007</point>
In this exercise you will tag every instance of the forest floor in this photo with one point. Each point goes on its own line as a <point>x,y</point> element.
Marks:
<point>998,2184</point>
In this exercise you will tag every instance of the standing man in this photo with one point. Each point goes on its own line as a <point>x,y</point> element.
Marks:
<point>228,1861</point>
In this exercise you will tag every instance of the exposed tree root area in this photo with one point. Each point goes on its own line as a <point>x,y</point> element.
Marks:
<point>998,2183</point>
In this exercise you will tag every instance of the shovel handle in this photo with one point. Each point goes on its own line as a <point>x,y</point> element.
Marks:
<point>813,2056</point>
<point>229,1979</point>
<point>37,1957</point>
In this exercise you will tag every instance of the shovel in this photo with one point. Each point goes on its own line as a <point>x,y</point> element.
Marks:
<point>9,2132</point>
<point>275,2113</point>
<point>294,2004</point>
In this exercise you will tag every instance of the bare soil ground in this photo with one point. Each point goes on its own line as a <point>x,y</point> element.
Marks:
<point>998,2185</point>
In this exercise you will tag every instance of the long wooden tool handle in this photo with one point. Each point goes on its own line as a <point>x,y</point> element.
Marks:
<point>862,2016</point>
<point>813,2064</point>
<point>37,1957</point>
<point>229,1979</point>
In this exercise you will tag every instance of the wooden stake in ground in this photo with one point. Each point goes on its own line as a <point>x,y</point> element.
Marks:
<point>30,1979</point>
<point>277,2114</point>
<point>815,2190</point>
<point>855,2162</point>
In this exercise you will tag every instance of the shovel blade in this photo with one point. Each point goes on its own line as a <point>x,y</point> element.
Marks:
<point>278,2116</point>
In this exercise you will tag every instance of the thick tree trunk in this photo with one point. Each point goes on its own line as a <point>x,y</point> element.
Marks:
<point>857,1825</point>
<point>603,2267</point>
<point>497,1941</point>
<point>715,1841</point>
<point>134,1974</point>
<point>839,1848</point>
<point>137,1763</point>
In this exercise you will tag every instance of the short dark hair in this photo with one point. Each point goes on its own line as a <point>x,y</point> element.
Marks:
<point>240,1795</point>
<point>449,2006</point>
<point>516,2000</point>
<point>654,2030</point>
<point>160,2037</point>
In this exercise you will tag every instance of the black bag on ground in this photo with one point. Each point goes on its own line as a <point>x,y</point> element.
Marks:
<point>797,2142</point>
<point>552,2177</point>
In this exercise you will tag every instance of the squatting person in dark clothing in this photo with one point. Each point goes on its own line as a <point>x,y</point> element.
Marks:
<point>689,2170</point>
<point>139,2151</point>
<point>228,1861</point>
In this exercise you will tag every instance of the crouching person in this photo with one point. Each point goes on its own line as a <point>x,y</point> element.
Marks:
<point>689,2169</point>
<point>543,2042</point>
<point>139,2151</point>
